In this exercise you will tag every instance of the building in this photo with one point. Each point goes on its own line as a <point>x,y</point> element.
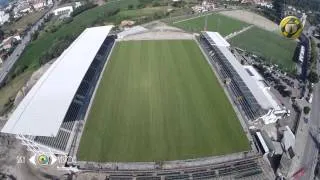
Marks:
<point>77,4</point>
<point>46,119</point>
<point>39,4</point>
<point>301,54</point>
<point>4,17</point>
<point>67,10</point>
<point>288,139</point>
<point>247,88</point>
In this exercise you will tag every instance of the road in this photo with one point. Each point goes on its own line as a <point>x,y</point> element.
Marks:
<point>12,59</point>
<point>310,155</point>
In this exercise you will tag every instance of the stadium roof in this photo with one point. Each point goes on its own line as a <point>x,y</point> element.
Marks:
<point>261,84</point>
<point>247,79</point>
<point>215,39</point>
<point>263,143</point>
<point>43,109</point>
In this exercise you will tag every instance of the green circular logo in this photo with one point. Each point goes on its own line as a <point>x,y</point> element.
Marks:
<point>43,160</point>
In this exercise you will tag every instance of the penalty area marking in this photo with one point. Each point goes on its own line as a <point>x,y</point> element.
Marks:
<point>192,18</point>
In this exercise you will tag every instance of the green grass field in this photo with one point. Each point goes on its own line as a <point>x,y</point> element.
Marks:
<point>272,46</point>
<point>216,22</point>
<point>159,100</point>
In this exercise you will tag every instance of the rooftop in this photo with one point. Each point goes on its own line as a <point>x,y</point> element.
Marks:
<point>216,39</point>
<point>43,109</point>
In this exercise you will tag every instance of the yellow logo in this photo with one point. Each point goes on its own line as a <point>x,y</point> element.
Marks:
<point>291,27</point>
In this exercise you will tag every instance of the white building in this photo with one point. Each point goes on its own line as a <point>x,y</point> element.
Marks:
<point>301,54</point>
<point>49,2</point>
<point>288,139</point>
<point>63,11</point>
<point>4,17</point>
<point>39,4</point>
<point>77,4</point>
<point>266,4</point>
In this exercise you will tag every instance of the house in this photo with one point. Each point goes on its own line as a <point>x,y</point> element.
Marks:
<point>9,42</point>
<point>4,17</point>
<point>38,4</point>
<point>77,4</point>
<point>67,10</point>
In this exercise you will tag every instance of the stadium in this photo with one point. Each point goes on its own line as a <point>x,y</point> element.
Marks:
<point>147,109</point>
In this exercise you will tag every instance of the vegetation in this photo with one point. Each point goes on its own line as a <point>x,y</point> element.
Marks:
<point>313,59</point>
<point>86,19</point>
<point>159,100</point>
<point>216,22</point>
<point>313,77</point>
<point>83,8</point>
<point>306,110</point>
<point>272,47</point>
<point>56,49</point>
<point>278,9</point>
<point>35,35</point>
<point>305,4</point>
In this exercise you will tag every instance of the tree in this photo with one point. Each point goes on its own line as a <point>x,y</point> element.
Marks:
<point>1,34</point>
<point>306,109</point>
<point>35,35</point>
<point>313,77</point>
<point>278,7</point>
<point>130,6</point>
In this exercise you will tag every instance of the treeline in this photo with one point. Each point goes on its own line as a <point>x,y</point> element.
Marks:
<point>313,75</point>
<point>56,49</point>
<point>82,8</point>
<point>55,27</point>
<point>305,4</point>
<point>275,14</point>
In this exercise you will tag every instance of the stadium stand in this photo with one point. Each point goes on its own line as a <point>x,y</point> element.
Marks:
<point>239,169</point>
<point>79,105</point>
<point>241,94</point>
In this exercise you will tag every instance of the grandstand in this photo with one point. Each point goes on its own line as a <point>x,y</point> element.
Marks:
<point>247,90</point>
<point>48,116</point>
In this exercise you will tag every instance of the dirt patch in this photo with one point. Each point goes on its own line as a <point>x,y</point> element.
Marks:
<point>252,18</point>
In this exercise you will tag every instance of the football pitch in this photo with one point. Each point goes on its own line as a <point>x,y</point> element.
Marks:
<point>273,47</point>
<point>215,22</point>
<point>159,100</point>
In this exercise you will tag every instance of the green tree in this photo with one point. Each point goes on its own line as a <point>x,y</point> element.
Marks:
<point>306,109</point>
<point>278,7</point>
<point>313,77</point>
<point>130,6</point>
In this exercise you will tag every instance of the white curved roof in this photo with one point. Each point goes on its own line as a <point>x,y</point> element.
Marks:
<point>216,39</point>
<point>43,109</point>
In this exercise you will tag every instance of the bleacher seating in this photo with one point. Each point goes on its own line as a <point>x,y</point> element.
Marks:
<point>241,169</point>
<point>78,107</point>
<point>239,91</point>
<point>59,142</point>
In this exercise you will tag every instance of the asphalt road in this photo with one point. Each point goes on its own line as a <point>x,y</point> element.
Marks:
<point>309,159</point>
<point>12,59</point>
